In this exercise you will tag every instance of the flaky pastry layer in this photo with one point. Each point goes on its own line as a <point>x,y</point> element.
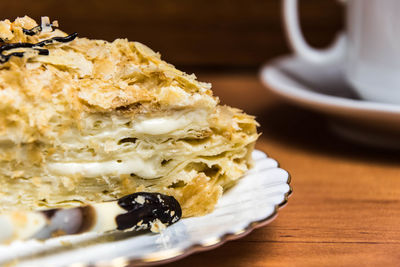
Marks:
<point>92,120</point>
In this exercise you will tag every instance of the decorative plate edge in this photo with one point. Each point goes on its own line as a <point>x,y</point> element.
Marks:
<point>196,248</point>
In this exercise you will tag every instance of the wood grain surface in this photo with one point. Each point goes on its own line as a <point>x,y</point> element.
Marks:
<point>345,206</point>
<point>233,33</point>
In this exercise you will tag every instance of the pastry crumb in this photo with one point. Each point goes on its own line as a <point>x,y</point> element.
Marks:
<point>157,226</point>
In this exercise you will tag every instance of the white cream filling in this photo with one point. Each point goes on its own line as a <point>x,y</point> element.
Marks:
<point>158,126</point>
<point>105,216</point>
<point>146,169</point>
<point>167,124</point>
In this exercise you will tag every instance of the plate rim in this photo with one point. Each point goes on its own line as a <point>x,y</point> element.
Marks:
<point>196,248</point>
<point>175,254</point>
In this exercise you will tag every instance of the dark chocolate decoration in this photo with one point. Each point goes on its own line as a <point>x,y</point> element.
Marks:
<point>155,206</point>
<point>43,52</point>
<point>5,47</point>
<point>33,31</point>
<point>142,209</point>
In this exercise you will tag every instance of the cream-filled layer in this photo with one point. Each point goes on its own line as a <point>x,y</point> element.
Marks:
<point>144,125</point>
<point>168,124</point>
<point>105,216</point>
<point>147,169</point>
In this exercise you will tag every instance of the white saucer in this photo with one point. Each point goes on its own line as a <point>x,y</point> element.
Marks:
<point>323,88</point>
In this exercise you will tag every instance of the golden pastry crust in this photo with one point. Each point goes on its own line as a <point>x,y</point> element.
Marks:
<point>91,120</point>
<point>86,76</point>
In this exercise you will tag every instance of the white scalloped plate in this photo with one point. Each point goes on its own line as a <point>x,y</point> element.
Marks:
<point>252,203</point>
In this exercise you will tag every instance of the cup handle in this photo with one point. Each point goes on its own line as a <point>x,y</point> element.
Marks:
<point>293,32</point>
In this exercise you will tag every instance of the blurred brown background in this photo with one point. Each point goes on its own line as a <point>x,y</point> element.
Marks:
<point>205,33</point>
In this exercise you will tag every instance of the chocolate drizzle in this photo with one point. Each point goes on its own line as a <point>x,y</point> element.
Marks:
<point>138,211</point>
<point>37,29</point>
<point>33,31</point>
<point>144,208</point>
<point>5,47</point>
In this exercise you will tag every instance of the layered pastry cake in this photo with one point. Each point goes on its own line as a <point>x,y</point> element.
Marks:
<point>86,121</point>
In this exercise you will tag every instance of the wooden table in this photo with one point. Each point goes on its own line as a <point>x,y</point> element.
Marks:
<point>345,206</point>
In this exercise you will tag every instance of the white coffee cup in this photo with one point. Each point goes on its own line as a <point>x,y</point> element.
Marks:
<point>369,49</point>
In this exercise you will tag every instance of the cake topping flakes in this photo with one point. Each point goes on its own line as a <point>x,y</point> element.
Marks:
<point>45,26</point>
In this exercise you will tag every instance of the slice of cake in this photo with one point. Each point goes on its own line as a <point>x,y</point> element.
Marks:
<point>86,121</point>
